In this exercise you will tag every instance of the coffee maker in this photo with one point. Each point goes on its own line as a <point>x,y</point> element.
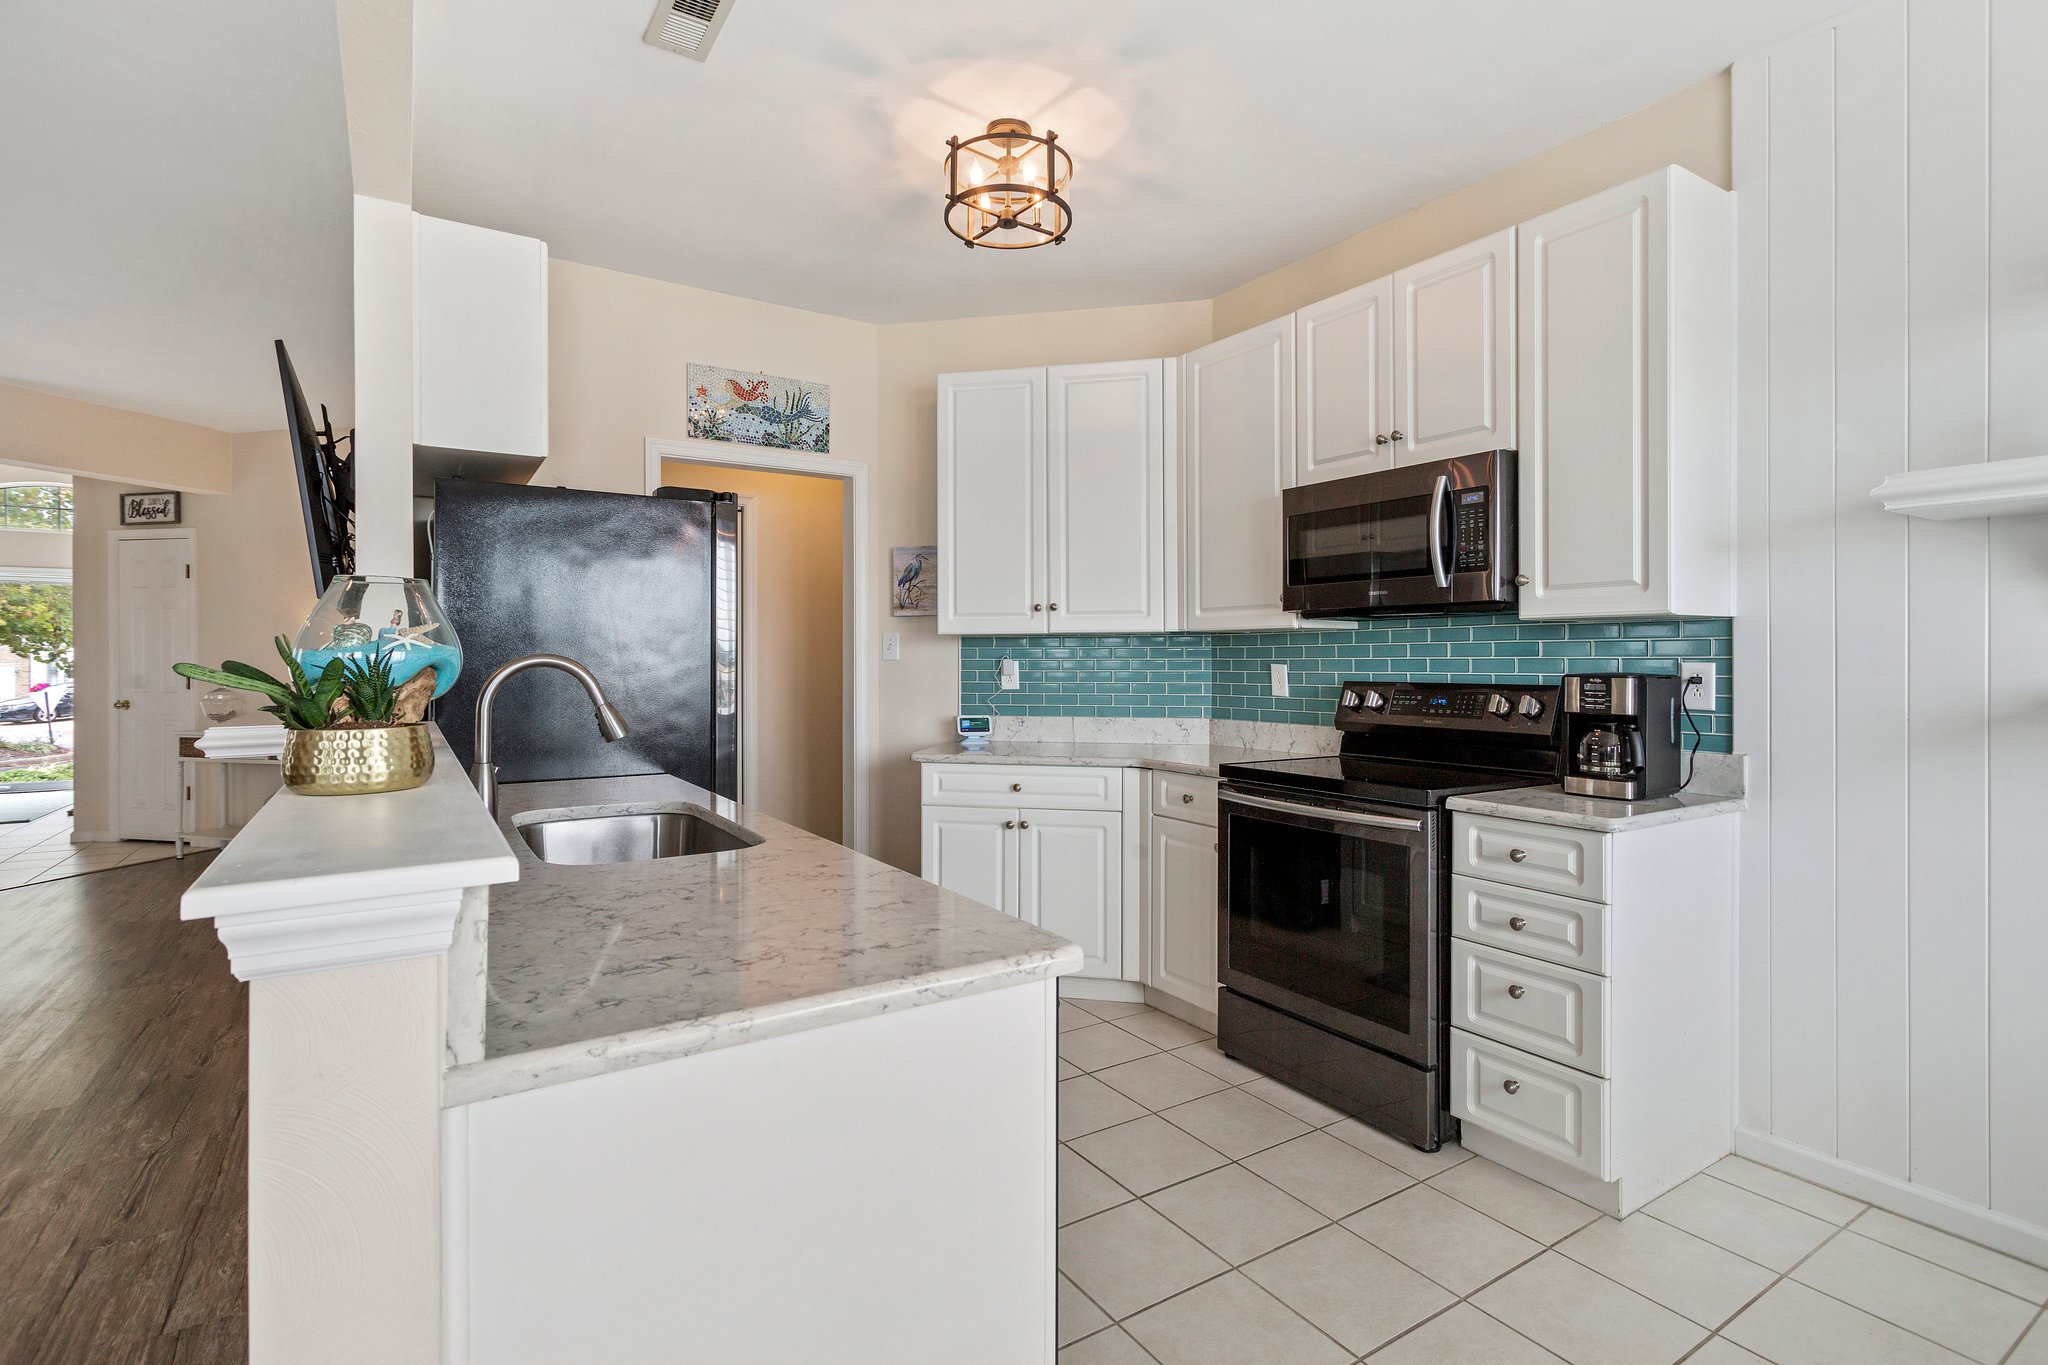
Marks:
<point>1621,734</point>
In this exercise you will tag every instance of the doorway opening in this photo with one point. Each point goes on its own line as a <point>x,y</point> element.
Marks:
<point>792,639</point>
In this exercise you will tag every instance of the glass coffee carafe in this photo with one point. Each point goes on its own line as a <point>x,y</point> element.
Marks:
<point>1607,751</point>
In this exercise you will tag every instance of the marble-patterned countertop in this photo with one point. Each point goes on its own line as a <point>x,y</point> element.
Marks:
<point>577,971</point>
<point>1202,760</point>
<point>1553,806</point>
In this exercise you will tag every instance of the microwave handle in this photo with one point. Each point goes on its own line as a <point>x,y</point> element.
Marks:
<point>1437,504</point>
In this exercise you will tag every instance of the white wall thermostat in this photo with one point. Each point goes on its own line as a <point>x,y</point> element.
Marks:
<point>975,731</point>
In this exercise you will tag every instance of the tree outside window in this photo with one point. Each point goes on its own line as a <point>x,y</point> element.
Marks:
<point>35,507</point>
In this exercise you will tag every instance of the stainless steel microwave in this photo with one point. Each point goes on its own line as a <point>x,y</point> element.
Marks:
<point>1421,538</point>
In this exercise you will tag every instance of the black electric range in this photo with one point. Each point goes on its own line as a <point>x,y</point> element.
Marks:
<point>1334,936</point>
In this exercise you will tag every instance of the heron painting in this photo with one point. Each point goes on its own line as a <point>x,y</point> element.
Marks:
<point>915,591</point>
<point>759,409</point>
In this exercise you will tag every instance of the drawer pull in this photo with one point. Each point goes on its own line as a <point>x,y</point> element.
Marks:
<point>1517,991</point>
<point>1518,855</point>
<point>1016,786</point>
<point>1517,923</point>
<point>1187,798</point>
<point>1511,1085</point>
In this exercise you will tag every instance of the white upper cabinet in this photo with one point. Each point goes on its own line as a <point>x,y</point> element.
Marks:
<point>1108,561</point>
<point>1454,352</point>
<point>1626,465</point>
<point>480,340</point>
<point>1344,384</point>
<point>1237,454</point>
<point>992,502</point>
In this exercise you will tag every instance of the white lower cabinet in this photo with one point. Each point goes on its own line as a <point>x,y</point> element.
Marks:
<point>1069,865</point>
<point>1181,905</point>
<point>1592,1018</point>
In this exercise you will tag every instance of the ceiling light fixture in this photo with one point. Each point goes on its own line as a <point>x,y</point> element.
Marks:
<point>1003,187</point>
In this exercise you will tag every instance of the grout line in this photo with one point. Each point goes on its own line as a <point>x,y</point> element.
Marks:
<point>2021,1340</point>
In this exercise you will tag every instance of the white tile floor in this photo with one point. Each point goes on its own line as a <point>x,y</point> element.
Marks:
<point>1211,1216</point>
<point>42,851</point>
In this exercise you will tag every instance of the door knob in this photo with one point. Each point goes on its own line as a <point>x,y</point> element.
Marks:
<point>1511,1085</point>
<point>121,705</point>
<point>1517,991</point>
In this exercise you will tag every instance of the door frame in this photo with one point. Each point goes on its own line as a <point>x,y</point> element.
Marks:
<point>113,635</point>
<point>857,669</point>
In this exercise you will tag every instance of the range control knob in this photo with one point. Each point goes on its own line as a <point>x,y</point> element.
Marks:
<point>1529,707</point>
<point>1497,705</point>
<point>1352,701</point>
<point>1373,700</point>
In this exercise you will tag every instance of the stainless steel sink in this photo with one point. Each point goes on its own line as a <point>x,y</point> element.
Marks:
<point>631,837</point>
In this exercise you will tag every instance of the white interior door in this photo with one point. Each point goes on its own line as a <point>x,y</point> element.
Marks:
<point>992,503</point>
<point>973,851</point>
<point>1106,552</point>
<point>151,628</point>
<point>1344,372</point>
<point>1454,352</point>
<point>1070,882</point>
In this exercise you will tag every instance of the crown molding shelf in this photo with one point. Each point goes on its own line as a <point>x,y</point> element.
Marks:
<point>1997,488</point>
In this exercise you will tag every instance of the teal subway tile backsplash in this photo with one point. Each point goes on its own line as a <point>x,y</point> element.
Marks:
<point>1227,677</point>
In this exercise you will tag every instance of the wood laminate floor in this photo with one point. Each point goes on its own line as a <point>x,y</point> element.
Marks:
<point>123,1126</point>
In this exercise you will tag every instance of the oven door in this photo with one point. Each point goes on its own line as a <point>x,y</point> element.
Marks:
<point>1329,915</point>
<point>1426,537</point>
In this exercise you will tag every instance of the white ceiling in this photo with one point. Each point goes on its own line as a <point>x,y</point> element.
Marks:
<point>1214,140</point>
<point>174,193</point>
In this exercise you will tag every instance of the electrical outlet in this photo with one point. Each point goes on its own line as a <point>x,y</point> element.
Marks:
<point>1702,695</point>
<point>1279,680</point>
<point>1006,676</point>
<point>892,646</point>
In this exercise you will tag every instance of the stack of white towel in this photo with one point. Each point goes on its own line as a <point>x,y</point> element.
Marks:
<point>242,741</point>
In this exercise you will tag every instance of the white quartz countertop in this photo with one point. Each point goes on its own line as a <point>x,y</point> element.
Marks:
<point>587,970</point>
<point>1202,760</point>
<point>1553,806</point>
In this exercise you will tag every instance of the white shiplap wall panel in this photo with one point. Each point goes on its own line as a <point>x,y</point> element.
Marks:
<point>2018,942</point>
<point>1802,417</point>
<point>1948,589</point>
<point>1894,1028</point>
<point>1872,1080</point>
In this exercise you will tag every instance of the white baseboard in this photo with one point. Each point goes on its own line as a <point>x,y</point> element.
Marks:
<point>1202,1019</point>
<point>1998,1231</point>
<point>92,836</point>
<point>1096,988</point>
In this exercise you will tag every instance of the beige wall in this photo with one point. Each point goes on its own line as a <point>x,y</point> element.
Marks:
<point>1689,129</point>
<point>43,431</point>
<point>795,608</point>
<point>254,582</point>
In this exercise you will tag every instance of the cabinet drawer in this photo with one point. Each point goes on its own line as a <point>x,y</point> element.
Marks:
<point>1546,1107</point>
<point>1571,862</point>
<point>1183,796</point>
<point>987,784</point>
<point>1539,1007</point>
<point>1535,923</point>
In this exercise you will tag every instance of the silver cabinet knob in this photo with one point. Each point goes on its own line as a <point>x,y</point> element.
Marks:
<point>1016,786</point>
<point>1517,991</point>
<point>1023,824</point>
<point>1515,855</point>
<point>1517,923</point>
<point>1187,798</point>
<point>1523,580</point>
<point>1038,606</point>
<point>1398,436</point>
<point>1054,607</point>
<point>1009,824</point>
<point>122,705</point>
<point>1511,1085</point>
<point>1380,440</point>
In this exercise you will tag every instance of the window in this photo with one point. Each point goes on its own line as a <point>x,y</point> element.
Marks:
<point>35,507</point>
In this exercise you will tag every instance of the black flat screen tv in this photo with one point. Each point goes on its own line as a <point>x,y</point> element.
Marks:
<point>326,481</point>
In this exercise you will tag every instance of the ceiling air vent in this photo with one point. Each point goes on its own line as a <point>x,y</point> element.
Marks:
<point>688,26</point>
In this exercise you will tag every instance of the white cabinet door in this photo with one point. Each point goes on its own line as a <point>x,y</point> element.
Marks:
<point>1624,472</point>
<point>1237,450</point>
<point>1454,352</point>
<point>973,851</point>
<point>992,502</point>
<point>1106,553</point>
<point>480,339</point>
<point>1070,881</point>
<point>1180,896</point>
<point>1344,384</point>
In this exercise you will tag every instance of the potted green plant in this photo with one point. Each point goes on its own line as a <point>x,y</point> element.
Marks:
<point>349,730</point>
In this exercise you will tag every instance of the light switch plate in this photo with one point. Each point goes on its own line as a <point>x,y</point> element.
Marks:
<point>892,646</point>
<point>1279,680</point>
<point>1702,695</point>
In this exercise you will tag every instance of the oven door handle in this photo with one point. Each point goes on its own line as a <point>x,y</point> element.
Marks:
<point>1342,817</point>
<point>1437,503</point>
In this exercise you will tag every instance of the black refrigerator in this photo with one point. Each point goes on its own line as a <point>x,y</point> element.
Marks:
<point>644,591</point>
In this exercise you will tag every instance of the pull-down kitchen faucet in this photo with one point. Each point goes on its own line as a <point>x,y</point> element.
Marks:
<point>483,771</point>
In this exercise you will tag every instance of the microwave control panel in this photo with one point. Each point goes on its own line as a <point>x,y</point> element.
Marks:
<point>1471,520</point>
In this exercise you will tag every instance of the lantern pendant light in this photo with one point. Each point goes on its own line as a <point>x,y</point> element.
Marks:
<point>1003,187</point>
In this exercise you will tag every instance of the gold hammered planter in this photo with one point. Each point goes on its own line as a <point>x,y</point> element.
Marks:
<point>347,762</point>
